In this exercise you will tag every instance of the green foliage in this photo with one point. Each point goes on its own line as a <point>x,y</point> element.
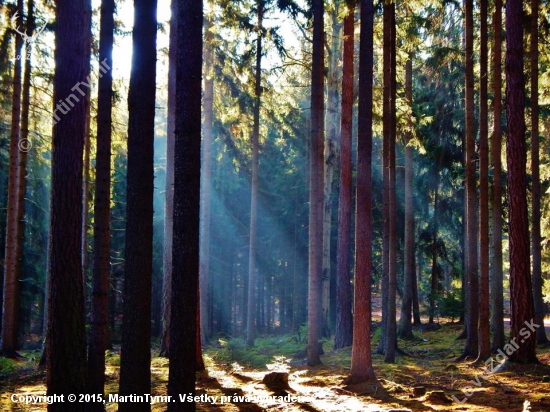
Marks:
<point>450,305</point>
<point>267,353</point>
<point>7,367</point>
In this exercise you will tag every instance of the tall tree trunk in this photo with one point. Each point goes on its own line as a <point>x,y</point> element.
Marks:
<point>521,297</point>
<point>316,189</point>
<point>471,347</point>
<point>361,359</point>
<point>497,300</point>
<point>415,301</point>
<point>206,179</point>
<point>391,337</point>
<point>405,325</point>
<point>344,326</point>
<point>135,377</point>
<point>484,333</point>
<point>535,176</point>
<point>10,324</point>
<point>24,143</point>
<point>99,326</point>
<point>434,275</point>
<point>250,324</point>
<point>331,157</point>
<point>386,109</point>
<point>66,336</point>
<point>169,184</point>
<point>187,175</point>
<point>86,200</point>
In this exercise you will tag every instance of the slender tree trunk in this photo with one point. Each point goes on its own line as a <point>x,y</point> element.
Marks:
<point>316,189</point>
<point>344,326</point>
<point>331,158</point>
<point>471,348</point>
<point>497,301</point>
<point>86,201</point>
<point>24,143</point>
<point>10,323</point>
<point>250,324</point>
<point>535,176</point>
<point>361,359</point>
<point>135,377</point>
<point>416,305</point>
<point>522,310</point>
<point>66,337</point>
<point>99,326</point>
<point>391,336</point>
<point>484,335</point>
<point>206,178</point>
<point>386,108</point>
<point>405,325</point>
<point>187,163</point>
<point>434,275</point>
<point>169,184</point>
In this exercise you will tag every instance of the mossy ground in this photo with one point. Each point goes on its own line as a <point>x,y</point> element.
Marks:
<point>233,369</point>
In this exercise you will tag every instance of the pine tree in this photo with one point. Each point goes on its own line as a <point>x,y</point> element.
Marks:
<point>135,376</point>
<point>361,360</point>
<point>187,162</point>
<point>66,338</point>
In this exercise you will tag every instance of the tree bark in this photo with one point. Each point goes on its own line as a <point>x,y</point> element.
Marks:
<point>187,175</point>
<point>330,158</point>
<point>250,321</point>
<point>434,284</point>
<point>521,296</point>
<point>497,301</point>
<point>386,103</point>
<point>316,189</point>
<point>66,337</point>
<point>86,200</point>
<point>24,143</point>
<point>169,184</point>
<point>99,326</point>
<point>405,325</point>
<point>535,177</point>
<point>344,326</point>
<point>484,334</point>
<point>391,336</point>
<point>471,347</point>
<point>361,359</point>
<point>135,376</point>
<point>10,322</point>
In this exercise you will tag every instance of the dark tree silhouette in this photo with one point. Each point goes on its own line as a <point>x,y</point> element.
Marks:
<point>66,338</point>
<point>316,189</point>
<point>405,323</point>
<point>484,336</point>
<point>187,160</point>
<point>497,300</point>
<point>344,326</point>
<point>102,233</point>
<point>135,373</point>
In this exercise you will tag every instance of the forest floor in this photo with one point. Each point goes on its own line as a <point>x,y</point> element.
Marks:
<point>235,372</point>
